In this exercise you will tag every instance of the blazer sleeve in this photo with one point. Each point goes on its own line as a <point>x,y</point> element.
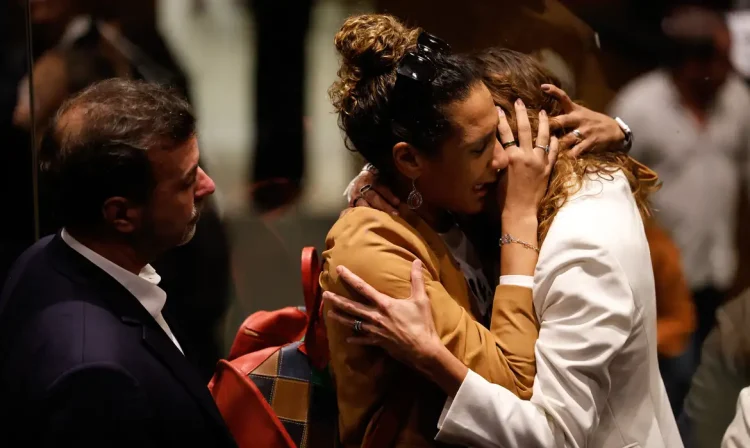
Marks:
<point>738,433</point>
<point>97,405</point>
<point>381,250</point>
<point>588,316</point>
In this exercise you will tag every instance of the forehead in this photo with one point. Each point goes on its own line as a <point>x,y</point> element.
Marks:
<point>176,162</point>
<point>474,117</point>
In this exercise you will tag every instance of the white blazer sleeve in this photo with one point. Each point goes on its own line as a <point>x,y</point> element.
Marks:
<point>738,433</point>
<point>586,317</point>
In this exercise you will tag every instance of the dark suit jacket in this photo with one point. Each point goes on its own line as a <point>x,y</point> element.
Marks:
<point>83,364</point>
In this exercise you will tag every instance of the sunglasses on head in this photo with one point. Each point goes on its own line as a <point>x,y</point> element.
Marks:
<point>419,65</point>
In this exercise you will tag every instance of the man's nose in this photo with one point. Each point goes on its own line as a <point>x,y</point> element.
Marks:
<point>206,185</point>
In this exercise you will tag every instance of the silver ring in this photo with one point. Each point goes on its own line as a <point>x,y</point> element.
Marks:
<point>545,148</point>
<point>578,134</point>
<point>365,189</point>
<point>357,326</point>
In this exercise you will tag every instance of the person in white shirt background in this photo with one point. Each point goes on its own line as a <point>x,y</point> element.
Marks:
<point>597,381</point>
<point>691,117</point>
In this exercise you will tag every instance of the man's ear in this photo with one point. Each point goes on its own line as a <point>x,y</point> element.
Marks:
<point>122,214</point>
<point>409,162</point>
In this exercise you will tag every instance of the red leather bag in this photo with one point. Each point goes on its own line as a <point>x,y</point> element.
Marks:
<point>274,391</point>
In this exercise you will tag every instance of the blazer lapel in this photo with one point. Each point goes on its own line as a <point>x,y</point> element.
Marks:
<point>123,304</point>
<point>450,272</point>
<point>165,350</point>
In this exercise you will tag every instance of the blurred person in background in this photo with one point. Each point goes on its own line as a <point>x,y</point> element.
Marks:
<point>675,313</point>
<point>738,432</point>
<point>81,42</point>
<point>723,372</point>
<point>279,105</point>
<point>17,226</point>
<point>691,118</point>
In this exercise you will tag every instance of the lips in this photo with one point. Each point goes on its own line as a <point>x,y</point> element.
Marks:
<point>481,189</point>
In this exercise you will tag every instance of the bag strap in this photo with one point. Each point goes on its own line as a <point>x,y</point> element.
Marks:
<point>316,341</point>
<point>400,398</point>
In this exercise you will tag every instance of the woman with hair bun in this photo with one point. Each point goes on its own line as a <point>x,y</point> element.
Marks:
<point>597,379</point>
<point>424,118</point>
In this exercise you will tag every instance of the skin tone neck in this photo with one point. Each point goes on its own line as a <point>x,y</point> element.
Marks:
<point>440,220</point>
<point>117,250</point>
<point>437,218</point>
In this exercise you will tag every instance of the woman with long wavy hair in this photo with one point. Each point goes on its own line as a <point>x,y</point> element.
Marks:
<point>597,379</point>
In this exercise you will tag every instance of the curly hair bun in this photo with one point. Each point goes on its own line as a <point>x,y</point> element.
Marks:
<point>371,46</point>
<point>373,43</point>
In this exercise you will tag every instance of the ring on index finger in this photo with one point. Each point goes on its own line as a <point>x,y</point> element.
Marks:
<point>544,148</point>
<point>507,145</point>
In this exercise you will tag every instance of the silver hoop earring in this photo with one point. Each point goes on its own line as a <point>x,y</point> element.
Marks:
<point>414,200</point>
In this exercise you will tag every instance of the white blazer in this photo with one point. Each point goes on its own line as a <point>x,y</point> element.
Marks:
<point>597,382</point>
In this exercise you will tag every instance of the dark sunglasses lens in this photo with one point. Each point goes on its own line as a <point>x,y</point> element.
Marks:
<point>432,44</point>
<point>417,68</point>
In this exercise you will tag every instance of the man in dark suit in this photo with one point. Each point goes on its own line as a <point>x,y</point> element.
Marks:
<point>86,356</point>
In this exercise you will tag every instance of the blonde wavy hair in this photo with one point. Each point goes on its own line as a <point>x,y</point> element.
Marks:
<point>510,75</point>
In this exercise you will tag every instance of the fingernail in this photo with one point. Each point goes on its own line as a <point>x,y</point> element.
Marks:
<point>340,269</point>
<point>500,111</point>
<point>394,213</point>
<point>543,113</point>
<point>519,102</point>
<point>545,87</point>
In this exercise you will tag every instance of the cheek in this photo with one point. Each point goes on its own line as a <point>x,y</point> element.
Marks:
<point>452,186</point>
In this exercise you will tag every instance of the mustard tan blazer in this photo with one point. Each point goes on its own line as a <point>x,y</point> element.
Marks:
<point>380,248</point>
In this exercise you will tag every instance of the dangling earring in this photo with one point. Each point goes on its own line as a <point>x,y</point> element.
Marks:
<point>414,200</point>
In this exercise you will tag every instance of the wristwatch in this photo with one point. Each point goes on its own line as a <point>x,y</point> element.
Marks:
<point>628,143</point>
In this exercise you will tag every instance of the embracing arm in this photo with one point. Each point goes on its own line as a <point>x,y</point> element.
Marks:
<point>385,250</point>
<point>587,319</point>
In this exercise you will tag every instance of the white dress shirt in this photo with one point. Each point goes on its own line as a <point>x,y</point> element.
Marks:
<point>144,286</point>
<point>598,382</point>
<point>701,168</point>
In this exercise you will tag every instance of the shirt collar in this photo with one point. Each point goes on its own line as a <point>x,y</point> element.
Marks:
<point>143,286</point>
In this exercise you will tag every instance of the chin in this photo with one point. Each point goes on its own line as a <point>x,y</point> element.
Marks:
<point>472,207</point>
<point>188,235</point>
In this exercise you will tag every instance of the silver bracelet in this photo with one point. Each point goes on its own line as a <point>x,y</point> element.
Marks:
<point>509,239</point>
